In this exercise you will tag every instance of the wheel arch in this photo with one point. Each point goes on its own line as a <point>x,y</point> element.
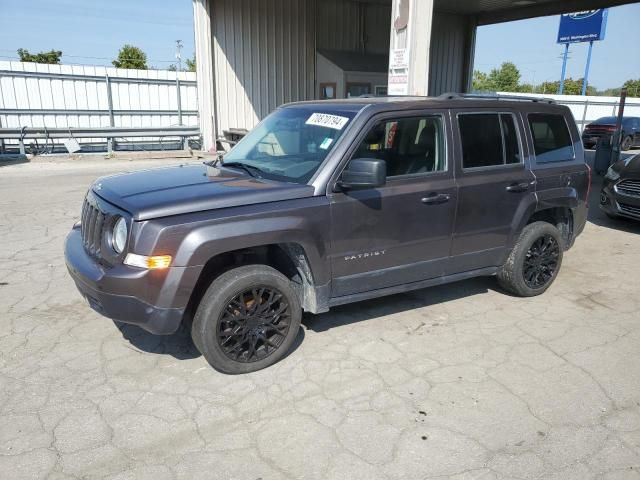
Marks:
<point>289,258</point>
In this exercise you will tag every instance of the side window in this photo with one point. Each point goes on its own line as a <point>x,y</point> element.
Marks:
<point>488,139</point>
<point>551,138</point>
<point>407,145</point>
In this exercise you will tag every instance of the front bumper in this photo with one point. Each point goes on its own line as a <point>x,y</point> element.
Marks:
<point>618,204</point>
<point>155,300</point>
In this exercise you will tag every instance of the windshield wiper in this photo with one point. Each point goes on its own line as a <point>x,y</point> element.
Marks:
<point>215,161</point>
<point>250,169</point>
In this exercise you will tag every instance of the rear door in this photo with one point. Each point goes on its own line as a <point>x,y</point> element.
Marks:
<point>562,177</point>
<point>494,183</point>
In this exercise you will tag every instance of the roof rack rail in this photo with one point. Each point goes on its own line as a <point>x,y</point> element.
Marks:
<point>494,96</point>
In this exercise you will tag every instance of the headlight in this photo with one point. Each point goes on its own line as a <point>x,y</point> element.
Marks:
<point>612,174</point>
<point>119,235</point>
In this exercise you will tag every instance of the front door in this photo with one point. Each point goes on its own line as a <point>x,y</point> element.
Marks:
<point>399,233</point>
<point>493,183</point>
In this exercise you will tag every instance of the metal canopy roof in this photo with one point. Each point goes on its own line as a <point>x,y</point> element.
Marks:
<point>496,11</point>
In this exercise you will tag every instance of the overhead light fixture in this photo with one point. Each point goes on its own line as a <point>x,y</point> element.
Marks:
<point>522,3</point>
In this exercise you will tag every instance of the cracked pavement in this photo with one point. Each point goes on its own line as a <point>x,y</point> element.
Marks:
<point>459,381</point>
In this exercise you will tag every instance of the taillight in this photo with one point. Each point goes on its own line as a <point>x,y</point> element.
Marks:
<point>588,184</point>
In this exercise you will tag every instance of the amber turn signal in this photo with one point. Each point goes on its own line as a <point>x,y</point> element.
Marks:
<point>142,261</point>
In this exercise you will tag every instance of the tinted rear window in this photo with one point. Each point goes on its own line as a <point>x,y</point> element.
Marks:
<point>551,138</point>
<point>488,139</point>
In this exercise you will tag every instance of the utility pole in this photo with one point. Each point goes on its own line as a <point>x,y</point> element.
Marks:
<point>586,70</point>
<point>564,67</point>
<point>179,54</point>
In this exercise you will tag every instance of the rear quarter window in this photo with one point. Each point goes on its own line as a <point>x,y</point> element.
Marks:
<point>551,138</point>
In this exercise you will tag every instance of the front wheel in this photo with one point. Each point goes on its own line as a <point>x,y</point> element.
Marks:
<point>627,143</point>
<point>247,319</point>
<point>534,262</point>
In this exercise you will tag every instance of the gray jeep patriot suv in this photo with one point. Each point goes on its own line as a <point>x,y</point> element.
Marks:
<point>331,202</point>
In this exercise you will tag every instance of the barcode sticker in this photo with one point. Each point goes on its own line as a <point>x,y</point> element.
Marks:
<point>327,120</point>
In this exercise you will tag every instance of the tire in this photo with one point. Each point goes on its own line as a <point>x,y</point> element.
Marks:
<point>627,143</point>
<point>247,319</point>
<point>540,245</point>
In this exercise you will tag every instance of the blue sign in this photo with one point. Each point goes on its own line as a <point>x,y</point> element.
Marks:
<point>585,26</point>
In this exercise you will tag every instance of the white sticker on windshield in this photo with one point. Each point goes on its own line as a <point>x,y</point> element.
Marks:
<point>326,120</point>
<point>326,143</point>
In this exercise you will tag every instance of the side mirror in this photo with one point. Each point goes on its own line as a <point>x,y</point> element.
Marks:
<point>364,173</point>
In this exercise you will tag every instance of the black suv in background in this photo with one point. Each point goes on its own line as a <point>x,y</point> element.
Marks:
<point>331,202</point>
<point>606,126</point>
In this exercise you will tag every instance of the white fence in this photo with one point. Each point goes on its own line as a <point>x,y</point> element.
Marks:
<point>589,108</point>
<point>62,96</point>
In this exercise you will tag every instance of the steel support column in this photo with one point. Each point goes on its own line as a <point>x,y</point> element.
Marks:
<point>202,12</point>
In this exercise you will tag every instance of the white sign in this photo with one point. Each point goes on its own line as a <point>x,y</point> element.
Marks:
<point>326,120</point>
<point>399,58</point>
<point>398,84</point>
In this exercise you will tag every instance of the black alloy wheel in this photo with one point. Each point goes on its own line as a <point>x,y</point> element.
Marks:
<point>254,324</point>
<point>248,319</point>
<point>541,262</point>
<point>534,261</point>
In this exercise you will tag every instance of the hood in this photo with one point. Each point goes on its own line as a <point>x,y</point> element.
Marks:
<point>165,191</point>
<point>632,166</point>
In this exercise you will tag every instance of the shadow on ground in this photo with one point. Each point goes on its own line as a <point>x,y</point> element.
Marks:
<point>179,345</point>
<point>7,160</point>
<point>399,303</point>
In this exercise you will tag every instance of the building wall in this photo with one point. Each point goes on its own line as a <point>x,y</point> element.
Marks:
<point>451,53</point>
<point>265,51</point>
<point>353,25</point>
<point>264,56</point>
<point>328,72</point>
<point>367,77</point>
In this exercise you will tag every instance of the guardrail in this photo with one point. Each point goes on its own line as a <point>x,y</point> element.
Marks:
<point>110,133</point>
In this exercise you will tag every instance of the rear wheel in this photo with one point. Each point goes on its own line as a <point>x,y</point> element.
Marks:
<point>627,143</point>
<point>534,262</point>
<point>247,319</point>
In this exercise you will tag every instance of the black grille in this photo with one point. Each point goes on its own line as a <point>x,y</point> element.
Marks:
<point>92,226</point>
<point>629,187</point>
<point>630,209</point>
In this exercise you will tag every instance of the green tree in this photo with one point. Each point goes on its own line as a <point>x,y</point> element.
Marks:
<point>571,87</point>
<point>51,57</point>
<point>131,57</point>
<point>633,87</point>
<point>191,63</point>
<point>479,81</point>
<point>503,79</point>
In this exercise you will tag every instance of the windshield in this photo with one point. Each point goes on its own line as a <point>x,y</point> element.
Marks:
<point>291,143</point>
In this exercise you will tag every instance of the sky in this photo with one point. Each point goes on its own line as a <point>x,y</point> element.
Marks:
<point>90,32</point>
<point>531,45</point>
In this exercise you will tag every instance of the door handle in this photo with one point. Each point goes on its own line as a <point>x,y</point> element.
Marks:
<point>518,187</point>
<point>436,198</point>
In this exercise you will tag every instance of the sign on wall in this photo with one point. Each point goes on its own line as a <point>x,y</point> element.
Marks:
<point>398,83</point>
<point>585,26</point>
